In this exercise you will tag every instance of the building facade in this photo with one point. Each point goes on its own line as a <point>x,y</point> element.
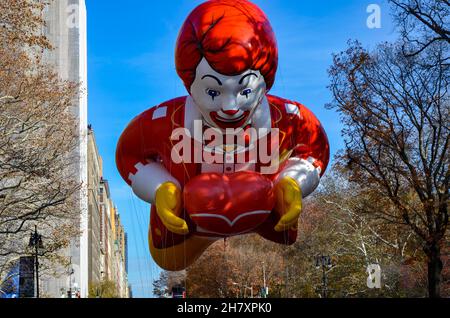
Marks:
<point>98,254</point>
<point>66,29</point>
<point>107,249</point>
<point>95,173</point>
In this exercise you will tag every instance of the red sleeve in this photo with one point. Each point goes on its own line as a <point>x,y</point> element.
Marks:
<point>312,140</point>
<point>135,145</point>
<point>147,137</point>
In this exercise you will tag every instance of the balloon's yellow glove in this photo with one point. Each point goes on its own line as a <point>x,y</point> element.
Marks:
<point>289,204</point>
<point>168,206</point>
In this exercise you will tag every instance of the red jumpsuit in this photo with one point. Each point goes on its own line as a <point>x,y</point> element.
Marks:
<point>148,139</point>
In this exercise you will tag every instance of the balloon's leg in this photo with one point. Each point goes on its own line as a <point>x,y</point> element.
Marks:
<point>179,257</point>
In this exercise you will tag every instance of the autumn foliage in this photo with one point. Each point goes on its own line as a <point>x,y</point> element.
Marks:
<point>38,139</point>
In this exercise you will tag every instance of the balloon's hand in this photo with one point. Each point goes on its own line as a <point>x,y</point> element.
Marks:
<point>168,206</point>
<point>288,204</point>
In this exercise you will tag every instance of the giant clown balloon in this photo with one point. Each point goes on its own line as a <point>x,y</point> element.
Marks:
<point>228,159</point>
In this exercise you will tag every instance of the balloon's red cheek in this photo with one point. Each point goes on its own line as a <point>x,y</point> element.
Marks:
<point>229,204</point>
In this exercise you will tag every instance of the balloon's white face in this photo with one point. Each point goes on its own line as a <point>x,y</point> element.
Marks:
<point>227,101</point>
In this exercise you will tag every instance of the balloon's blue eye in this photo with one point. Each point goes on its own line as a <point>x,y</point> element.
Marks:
<point>246,92</point>
<point>213,93</point>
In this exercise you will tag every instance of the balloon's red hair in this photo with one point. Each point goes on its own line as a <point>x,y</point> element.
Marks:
<point>233,36</point>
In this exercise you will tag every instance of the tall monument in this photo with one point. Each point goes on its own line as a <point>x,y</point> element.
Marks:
<point>66,28</point>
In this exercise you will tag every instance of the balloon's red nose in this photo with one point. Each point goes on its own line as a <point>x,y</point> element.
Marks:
<point>230,112</point>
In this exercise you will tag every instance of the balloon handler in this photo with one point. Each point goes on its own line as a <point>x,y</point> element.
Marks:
<point>228,159</point>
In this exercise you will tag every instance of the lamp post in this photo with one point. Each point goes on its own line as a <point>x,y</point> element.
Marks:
<point>265,290</point>
<point>36,242</point>
<point>71,272</point>
<point>324,262</point>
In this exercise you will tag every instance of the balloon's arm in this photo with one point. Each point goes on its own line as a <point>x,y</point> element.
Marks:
<point>133,144</point>
<point>148,178</point>
<point>154,184</point>
<point>301,174</point>
<point>140,165</point>
<point>138,144</point>
<point>311,155</point>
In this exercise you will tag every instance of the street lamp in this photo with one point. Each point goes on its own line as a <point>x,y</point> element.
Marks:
<point>71,272</point>
<point>265,290</point>
<point>36,242</point>
<point>324,262</point>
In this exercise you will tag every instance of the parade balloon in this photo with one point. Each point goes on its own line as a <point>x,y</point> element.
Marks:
<point>227,159</point>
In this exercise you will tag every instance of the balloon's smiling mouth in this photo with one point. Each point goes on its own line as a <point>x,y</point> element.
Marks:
<point>236,122</point>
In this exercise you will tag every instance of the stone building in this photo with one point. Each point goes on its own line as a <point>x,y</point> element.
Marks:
<point>106,248</point>
<point>66,30</point>
<point>98,253</point>
<point>95,173</point>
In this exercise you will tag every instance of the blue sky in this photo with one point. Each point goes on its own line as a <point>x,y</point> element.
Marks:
<point>131,68</point>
